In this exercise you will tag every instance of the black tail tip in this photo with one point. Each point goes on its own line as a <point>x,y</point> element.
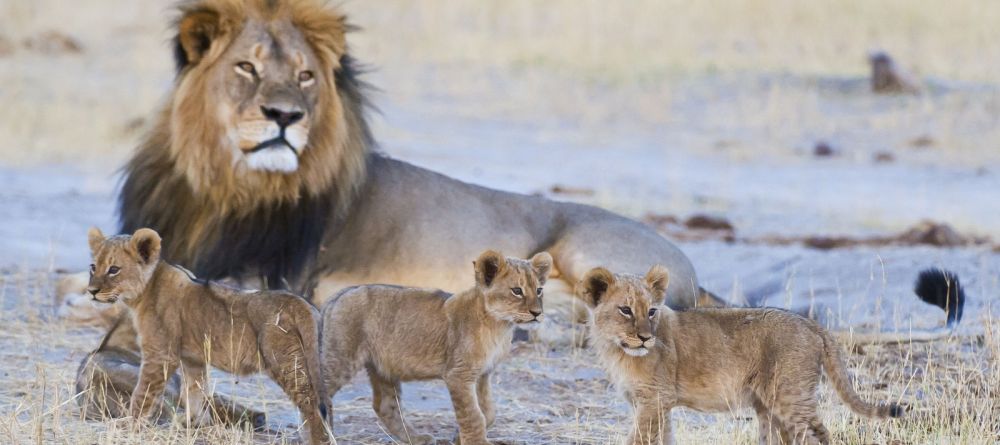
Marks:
<point>896,410</point>
<point>942,289</point>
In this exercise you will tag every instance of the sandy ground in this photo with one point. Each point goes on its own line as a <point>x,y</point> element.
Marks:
<point>666,120</point>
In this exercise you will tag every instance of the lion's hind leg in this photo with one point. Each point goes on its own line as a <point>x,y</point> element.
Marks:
<point>386,398</point>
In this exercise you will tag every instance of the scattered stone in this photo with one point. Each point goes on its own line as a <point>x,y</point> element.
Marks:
<point>53,42</point>
<point>822,149</point>
<point>828,242</point>
<point>573,191</point>
<point>660,220</point>
<point>706,222</point>
<point>924,141</point>
<point>884,157</point>
<point>888,78</point>
<point>935,234</point>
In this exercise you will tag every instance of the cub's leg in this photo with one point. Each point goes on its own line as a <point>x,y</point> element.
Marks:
<point>471,423</point>
<point>193,394</point>
<point>386,396</point>
<point>285,362</point>
<point>771,430</point>
<point>486,404</point>
<point>153,375</point>
<point>798,415</point>
<point>652,425</point>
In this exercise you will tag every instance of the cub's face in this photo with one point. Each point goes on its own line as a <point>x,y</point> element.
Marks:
<point>624,307</point>
<point>512,286</point>
<point>122,264</point>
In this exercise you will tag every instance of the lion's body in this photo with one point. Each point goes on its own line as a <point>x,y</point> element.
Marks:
<point>403,334</point>
<point>715,360</point>
<point>191,324</point>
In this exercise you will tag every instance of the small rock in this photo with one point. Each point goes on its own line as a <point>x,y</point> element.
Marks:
<point>706,222</point>
<point>53,42</point>
<point>823,150</point>
<point>884,157</point>
<point>827,242</point>
<point>659,220</point>
<point>934,234</point>
<point>923,142</point>
<point>575,191</point>
<point>888,78</point>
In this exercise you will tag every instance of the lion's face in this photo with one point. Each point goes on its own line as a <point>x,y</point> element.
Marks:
<point>512,286</point>
<point>268,86</point>
<point>122,264</point>
<point>623,307</point>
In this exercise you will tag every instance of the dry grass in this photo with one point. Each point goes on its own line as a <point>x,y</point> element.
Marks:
<point>545,395</point>
<point>590,63</point>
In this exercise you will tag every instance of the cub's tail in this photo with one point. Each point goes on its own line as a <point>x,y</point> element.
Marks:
<point>836,370</point>
<point>308,329</point>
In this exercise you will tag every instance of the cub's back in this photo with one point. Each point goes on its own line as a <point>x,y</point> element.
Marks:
<point>746,334</point>
<point>389,324</point>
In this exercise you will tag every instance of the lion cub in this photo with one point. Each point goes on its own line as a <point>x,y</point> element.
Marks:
<point>713,360</point>
<point>402,334</point>
<point>193,323</point>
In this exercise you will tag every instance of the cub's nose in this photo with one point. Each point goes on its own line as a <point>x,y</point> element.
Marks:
<point>93,291</point>
<point>282,117</point>
<point>535,313</point>
<point>644,337</point>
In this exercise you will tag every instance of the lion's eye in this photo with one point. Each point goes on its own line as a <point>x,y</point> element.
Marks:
<point>652,312</point>
<point>517,291</point>
<point>625,310</point>
<point>113,270</point>
<point>93,269</point>
<point>247,67</point>
<point>538,292</point>
<point>306,76</point>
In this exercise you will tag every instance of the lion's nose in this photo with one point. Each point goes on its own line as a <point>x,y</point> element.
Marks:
<point>282,117</point>
<point>93,290</point>
<point>535,313</point>
<point>644,337</point>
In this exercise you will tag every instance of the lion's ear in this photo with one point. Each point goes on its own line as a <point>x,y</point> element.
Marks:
<point>95,238</point>
<point>542,264</point>
<point>594,286</point>
<point>195,32</point>
<point>489,264</point>
<point>658,279</point>
<point>146,244</point>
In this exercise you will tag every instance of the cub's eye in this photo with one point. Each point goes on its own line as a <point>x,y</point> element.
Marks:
<point>652,312</point>
<point>247,68</point>
<point>538,292</point>
<point>93,269</point>
<point>517,291</point>
<point>113,270</point>
<point>306,77</point>
<point>625,310</point>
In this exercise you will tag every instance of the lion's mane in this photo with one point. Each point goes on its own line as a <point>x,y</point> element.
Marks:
<point>222,222</point>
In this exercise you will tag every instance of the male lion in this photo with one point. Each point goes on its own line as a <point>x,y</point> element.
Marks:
<point>402,334</point>
<point>713,360</point>
<point>260,165</point>
<point>188,323</point>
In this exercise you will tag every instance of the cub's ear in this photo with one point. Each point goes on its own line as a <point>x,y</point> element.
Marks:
<point>146,244</point>
<point>542,263</point>
<point>196,30</point>
<point>594,286</point>
<point>95,238</point>
<point>489,264</point>
<point>658,279</point>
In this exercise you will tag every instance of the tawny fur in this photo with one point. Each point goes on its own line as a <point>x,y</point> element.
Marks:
<point>713,360</point>
<point>183,322</point>
<point>401,334</point>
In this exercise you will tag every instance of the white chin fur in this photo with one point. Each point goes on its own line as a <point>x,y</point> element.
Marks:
<point>276,159</point>
<point>636,352</point>
<point>530,326</point>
